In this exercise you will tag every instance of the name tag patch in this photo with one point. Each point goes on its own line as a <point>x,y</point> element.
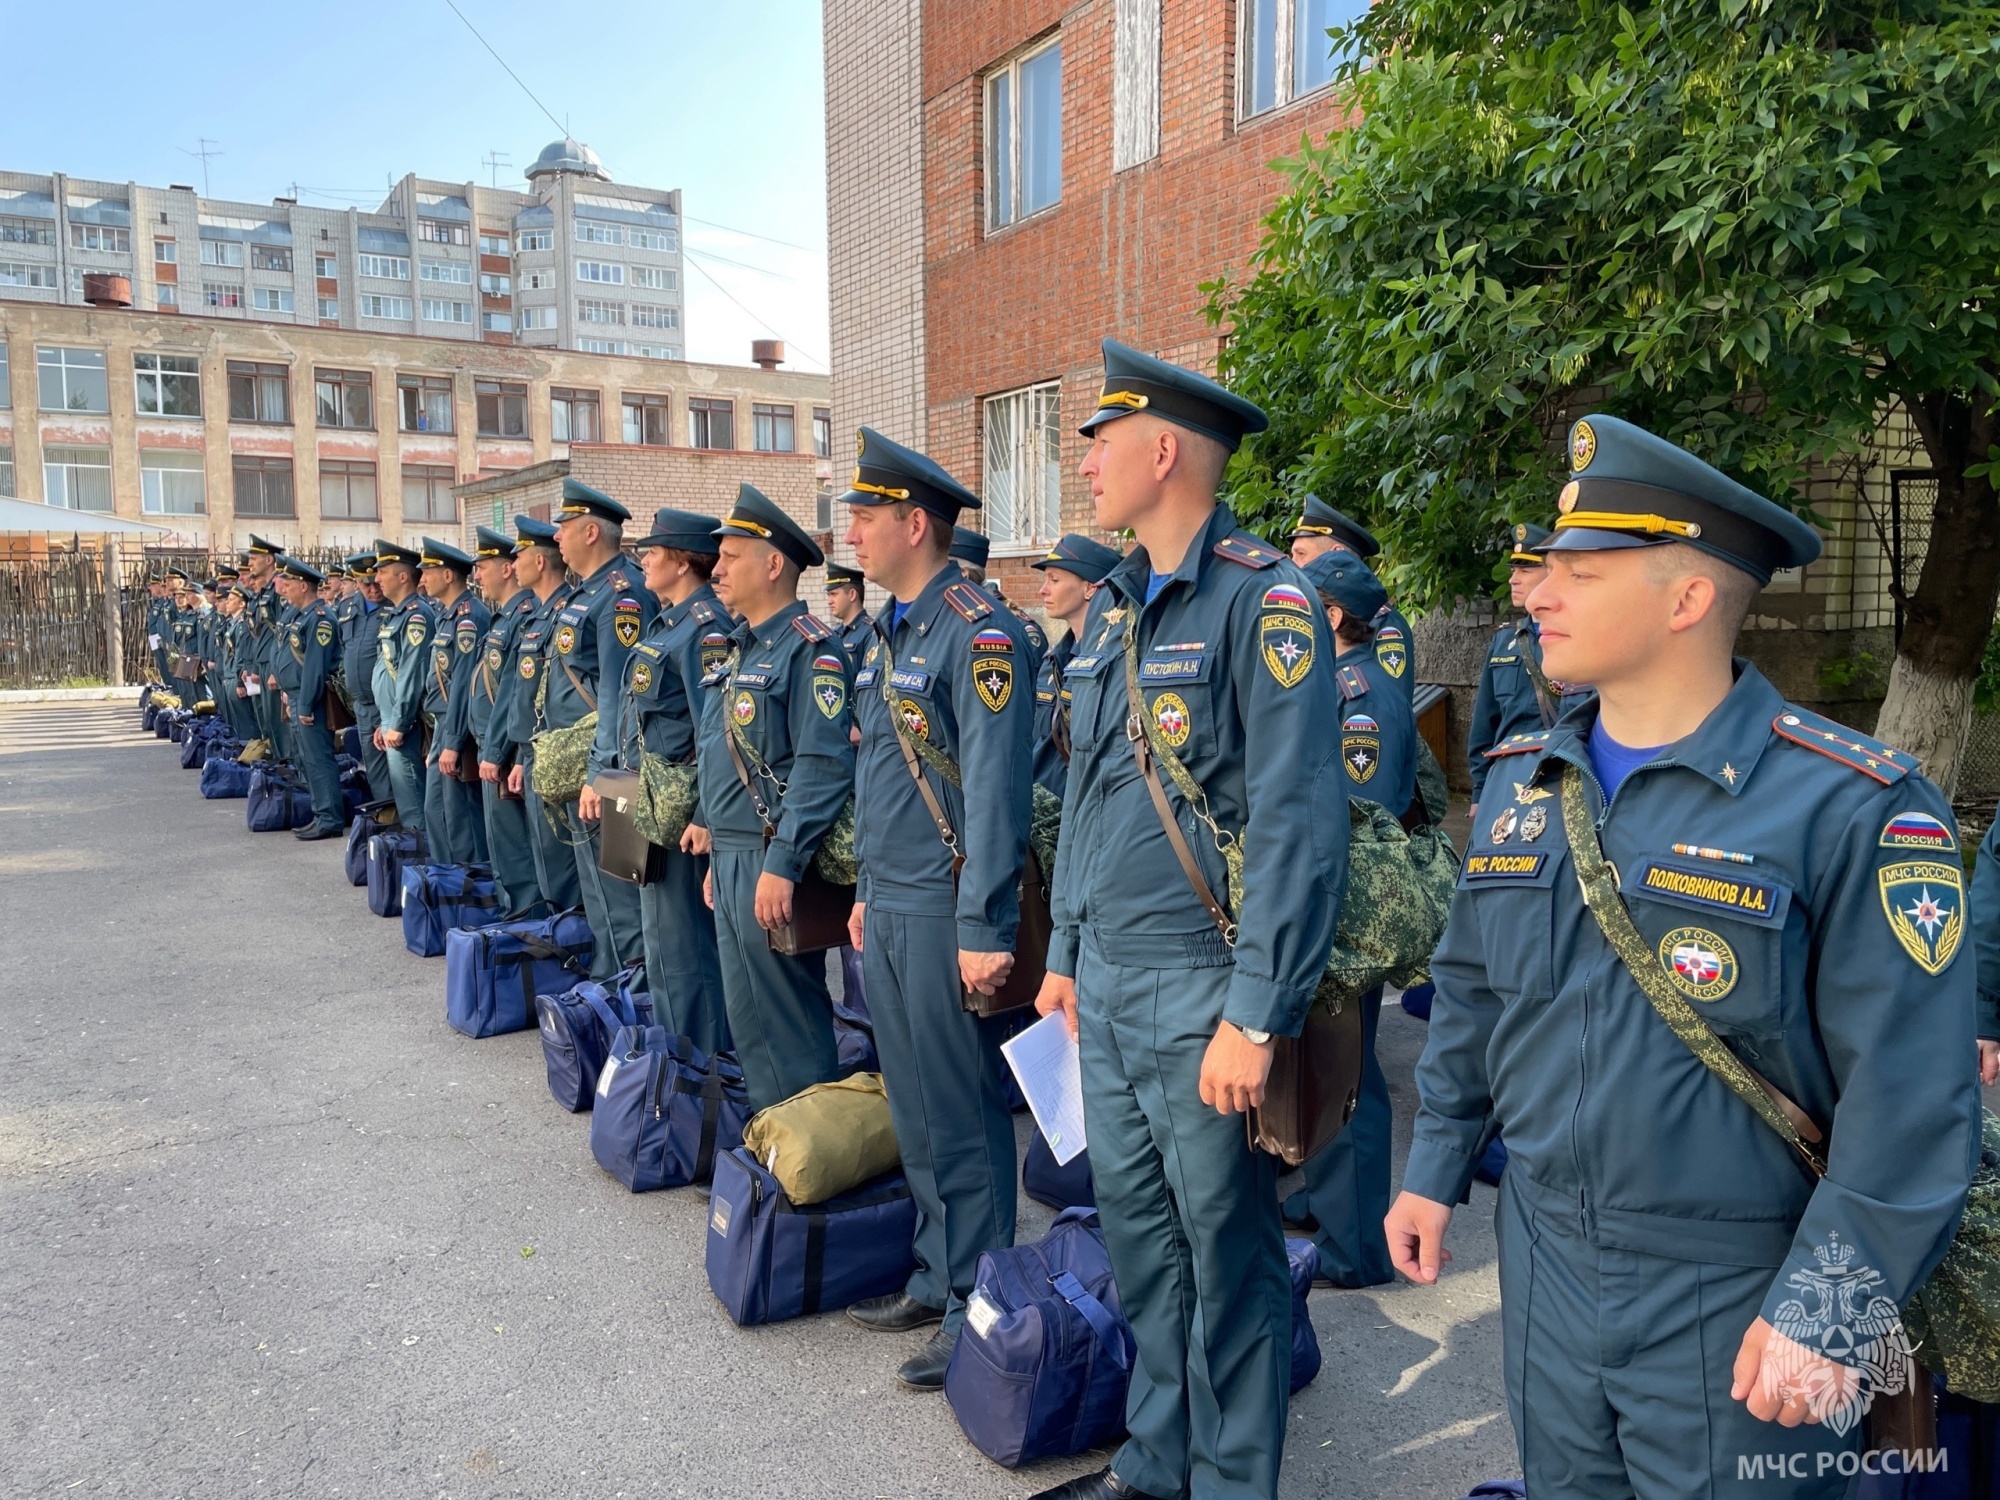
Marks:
<point>1504,866</point>
<point>910,680</point>
<point>1083,666</point>
<point>1712,890</point>
<point>753,679</point>
<point>865,677</point>
<point>1187,668</point>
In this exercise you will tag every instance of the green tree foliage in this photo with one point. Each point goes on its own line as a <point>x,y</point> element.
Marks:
<point>1749,224</point>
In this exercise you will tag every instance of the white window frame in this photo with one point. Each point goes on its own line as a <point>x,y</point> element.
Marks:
<point>456,272</point>
<point>104,238</point>
<point>535,239</point>
<point>533,318</point>
<point>383,267</point>
<point>329,309</point>
<point>222,294</point>
<point>172,482</point>
<point>597,232</point>
<point>1286,17</point>
<point>326,267</point>
<point>271,299</point>
<point>600,272</point>
<point>167,294</point>
<point>604,314</point>
<point>165,252</point>
<point>443,310</point>
<point>1009,72</point>
<point>222,253</point>
<point>151,370</point>
<point>655,315</point>
<point>496,322</point>
<point>656,278</point>
<point>1021,441</point>
<point>601,346</point>
<point>537,281</point>
<point>390,309</point>
<point>29,273</point>
<point>87,360</point>
<point>59,476</point>
<point>494,244</point>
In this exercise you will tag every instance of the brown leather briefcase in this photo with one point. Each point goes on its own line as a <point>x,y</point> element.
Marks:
<point>820,910</point>
<point>1031,949</point>
<point>623,852</point>
<point>1314,1086</point>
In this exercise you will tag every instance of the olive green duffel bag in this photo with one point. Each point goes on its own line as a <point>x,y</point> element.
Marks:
<point>826,1140</point>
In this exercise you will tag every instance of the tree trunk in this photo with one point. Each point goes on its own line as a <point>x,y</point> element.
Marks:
<point>1928,710</point>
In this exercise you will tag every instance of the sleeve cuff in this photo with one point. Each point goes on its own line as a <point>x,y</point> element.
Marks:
<point>1438,1172</point>
<point>783,860</point>
<point>1265,1005</point>
<point>1989,1015</point>
<point>1062,952</point>
<point>978,937</point>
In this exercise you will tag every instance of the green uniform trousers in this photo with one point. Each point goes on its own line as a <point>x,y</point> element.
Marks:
<point>454,821</point>
<point>683,968</point>
<point>1347,1183</point>
<point>780,1010</point>
<point>1190,1216</point>
<point>374,763</point>
<point>512,849</point>
<point>611,905</point>
<point>315,748</point>
<point>942,1068</point>
<point>549,836</point>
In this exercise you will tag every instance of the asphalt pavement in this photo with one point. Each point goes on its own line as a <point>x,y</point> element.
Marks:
<point>269,1227</point>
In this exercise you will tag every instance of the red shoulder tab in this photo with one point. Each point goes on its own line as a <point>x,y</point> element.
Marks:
<point>1353,682</point>
<point>1247,551</point>
<point>812,629</point>
<point>1519,744</point>
<point>1852,748</point>
<point>971,601</point>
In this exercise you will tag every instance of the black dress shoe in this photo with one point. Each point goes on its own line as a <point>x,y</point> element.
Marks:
<point>898,1312</point>
<point>924,1370</point>
<point>1103,1485</point>
<point>315,831</point>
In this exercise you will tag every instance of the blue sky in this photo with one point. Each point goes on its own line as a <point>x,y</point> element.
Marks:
<point>723,101</point>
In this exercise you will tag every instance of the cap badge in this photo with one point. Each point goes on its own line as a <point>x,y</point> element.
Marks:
<point>1582,446</point>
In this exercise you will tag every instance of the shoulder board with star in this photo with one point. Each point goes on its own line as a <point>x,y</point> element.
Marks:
<point>619,582</point>
<point>969,601</point>
<point>1519,744</point>
<point>701,612</point>
<point>463,607</point>
<point>1353,682</point>
<point>1247,551</point>
<point>1852,748</point>
<point>812,628</point>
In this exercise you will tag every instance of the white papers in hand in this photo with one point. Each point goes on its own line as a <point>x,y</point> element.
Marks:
<point>1050,1072</point>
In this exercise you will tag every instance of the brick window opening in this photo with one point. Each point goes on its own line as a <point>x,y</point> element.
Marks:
<point>1024,136</point>
<point>822,432</point>
<point>1284,50</point>
<point>425,402</point>
<point>774,428</point>
<point>168,385</point>
<point>344,398</point>
<point>172,482</point>
<point>1023,469</point>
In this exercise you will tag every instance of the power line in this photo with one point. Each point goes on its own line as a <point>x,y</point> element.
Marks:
<point>510,72</point>
<point>752,234</point>
<point>693,260</point>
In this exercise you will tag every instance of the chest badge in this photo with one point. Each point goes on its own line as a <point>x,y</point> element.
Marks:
<point>494,656</point>
<point>1170,715</point>
<point>528,668</point>
<point>1503,827</point>
<point>1698,962</point>
<point>1925,904</point>
<point>743,709</point>
<point>993,676</point>
<point>1287,641</point>
<point>1526,792</point>
<point>1534,824</point>
<point>913,718</point>
<point>566,639</point>
<point>642,677</point>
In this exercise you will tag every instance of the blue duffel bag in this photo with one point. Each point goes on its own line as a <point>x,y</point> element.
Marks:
<point>369,819</point>
<point>769,1259</point>
<point>223,777</point>
<point>492,974</point>
<point>387,854</point>
<point>578,1027</point>
<point>438,898</point>
<point>665,1111</point>
<point>1046,1354</point>
<point>1302,1258</point>
<point>854,1040</point>
<point>1053,1185</point>
<point>278,803</point>
<point>163,725</point>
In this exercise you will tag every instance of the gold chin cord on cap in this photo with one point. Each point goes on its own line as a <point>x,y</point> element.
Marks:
<point>1131,400</point>
<point>1304,530</point>
<point>858,483</point>
<point>750,526</point>
<point>1614,520</point>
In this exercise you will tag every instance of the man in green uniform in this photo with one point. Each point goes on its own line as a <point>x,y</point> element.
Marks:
<point>1211,647</point>
<point>1071,572</point>
<point>509,845</point>
<point>356,622</point>
<point>305,671</point>
<point>775,767</point>
<point>1701,966</point>
<point>402,639</point>
<point>1515,695</point>
<point>453,819</point>
<point>538,567</point>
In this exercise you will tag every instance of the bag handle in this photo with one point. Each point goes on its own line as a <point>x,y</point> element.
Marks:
<point>1146,746</point>
<point>1078,1296</point>
<point>604,1011</point>
<point>1599,882</point>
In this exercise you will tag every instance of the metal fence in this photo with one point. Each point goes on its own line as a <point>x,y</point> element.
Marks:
<point>56,623</point>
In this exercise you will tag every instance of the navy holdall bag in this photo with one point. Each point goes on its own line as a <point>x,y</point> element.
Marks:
<point>1043,1363</point>
<point>370,819</point>
<point>387,854</point>
<point>437,898</point>
<point>1055,1186</point>
<point>769,1259</point>
<point>222,777</point>
<point>578,1028</point>
<point>492,974</point>
<point>277,803</point>
<point>1302,1257</point>
<point>664,1110</point>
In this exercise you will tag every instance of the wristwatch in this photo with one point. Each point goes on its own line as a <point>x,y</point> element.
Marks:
<point>1253,1035</point>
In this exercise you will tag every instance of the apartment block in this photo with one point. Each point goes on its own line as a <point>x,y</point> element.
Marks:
<point>321,436</point>
<point>575,262</point>
<point>1085,165</point>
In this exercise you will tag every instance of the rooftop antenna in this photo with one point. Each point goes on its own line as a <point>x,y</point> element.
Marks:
<point>207,150</point>
<point>495,160</point>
